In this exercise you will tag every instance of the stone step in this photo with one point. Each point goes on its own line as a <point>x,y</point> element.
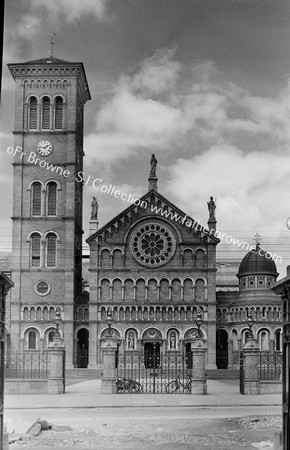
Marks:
<point>223,374</point>
<point>86,374</point>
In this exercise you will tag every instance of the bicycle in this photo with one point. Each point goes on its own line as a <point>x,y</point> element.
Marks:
<point>130,385</point>
<point>175,385</point>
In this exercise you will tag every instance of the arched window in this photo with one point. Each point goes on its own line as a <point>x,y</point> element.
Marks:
<point>32,114</point>
<point>200,258</point>
<point>51,250</point>
<point>105,290</point>
<point>58,113</point>
<point>36,199</point>
<point>31,340</point>
<point>35,250</point>
<point>51,199</point>
<point>117,290</point>
<point>199,290</point>
<point>264,339</point>
<point>45,117</point>
<point>51,336</point>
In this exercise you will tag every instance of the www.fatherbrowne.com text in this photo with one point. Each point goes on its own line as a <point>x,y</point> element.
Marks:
<point>97,184</point>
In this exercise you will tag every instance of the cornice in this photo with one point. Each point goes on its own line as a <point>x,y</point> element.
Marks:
<point>68,69</point>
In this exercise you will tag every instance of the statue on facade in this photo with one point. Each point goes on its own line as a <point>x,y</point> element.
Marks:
<point>172,341</point>
<point>211,208</point>
<point>153,163</point>
<point>131,341</point>
<point>95,207</point>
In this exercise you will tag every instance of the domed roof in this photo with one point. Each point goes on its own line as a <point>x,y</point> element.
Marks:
<point>257,261</point>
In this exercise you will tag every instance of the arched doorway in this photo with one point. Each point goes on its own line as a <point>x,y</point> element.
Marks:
<point>152,355</point>
<point>83,348</point>
<point>222,349</point>
<point>152,341</point>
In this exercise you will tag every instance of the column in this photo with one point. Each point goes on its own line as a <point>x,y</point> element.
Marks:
<point>198,350</point>
<point>251,352</point>
<point>56,357</point>
<point>230,354</point>
<point>109,348</point>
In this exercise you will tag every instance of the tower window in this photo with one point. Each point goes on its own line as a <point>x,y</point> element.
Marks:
<point>36,199</point>
<point>51,199</point>
<point>45,122</point>
<point>51,250</point>
<point>33,113</point>
<point>58,118</point>
<point>35,250</point>
<point>32,340</point>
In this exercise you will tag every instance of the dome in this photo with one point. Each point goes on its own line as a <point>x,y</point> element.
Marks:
<point>257,261</point>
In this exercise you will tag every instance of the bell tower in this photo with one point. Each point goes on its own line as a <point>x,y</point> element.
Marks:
<point>47,199</point>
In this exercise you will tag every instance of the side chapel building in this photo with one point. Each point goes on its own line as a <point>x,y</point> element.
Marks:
<point>154,273</point>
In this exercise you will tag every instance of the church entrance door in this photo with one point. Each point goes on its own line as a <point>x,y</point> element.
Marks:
<point>83,348</point>
<point>152,355</point>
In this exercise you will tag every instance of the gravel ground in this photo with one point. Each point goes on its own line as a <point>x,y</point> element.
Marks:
<point>252,432</point>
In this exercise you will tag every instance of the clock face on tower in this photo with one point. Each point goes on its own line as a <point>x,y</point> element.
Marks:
<point>44,148</point>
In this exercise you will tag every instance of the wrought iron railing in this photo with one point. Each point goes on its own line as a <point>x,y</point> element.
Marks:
<point>27,364</point>
<point>270,367</point>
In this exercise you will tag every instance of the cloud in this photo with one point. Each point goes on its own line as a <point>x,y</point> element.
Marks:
<point>136,117</point>
<point>19,34</point>
<point>158,73</point>
<point>166,105</point>
<point>72,10</point>
<point>246,186</point>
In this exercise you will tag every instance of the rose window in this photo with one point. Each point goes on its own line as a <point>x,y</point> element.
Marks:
<point>152,244</point>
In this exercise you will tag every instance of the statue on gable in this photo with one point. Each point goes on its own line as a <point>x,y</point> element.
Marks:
<point>153,164</point>
<point>95,207</point>
<point>211,208</point>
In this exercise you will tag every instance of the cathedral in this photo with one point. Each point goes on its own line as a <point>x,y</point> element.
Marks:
<point>152,270</point>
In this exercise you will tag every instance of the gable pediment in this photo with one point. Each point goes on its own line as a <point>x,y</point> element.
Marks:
<point>152,205</point>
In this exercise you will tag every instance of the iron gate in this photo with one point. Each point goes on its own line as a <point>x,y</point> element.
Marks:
<point>241,373</point>
<point>154,373</point>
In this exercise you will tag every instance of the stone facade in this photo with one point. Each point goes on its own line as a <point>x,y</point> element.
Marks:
<point>153,265</point>
<point>155,274</point>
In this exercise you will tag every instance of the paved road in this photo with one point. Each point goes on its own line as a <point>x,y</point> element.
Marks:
<point>170,428</point>
<point>221,420</point>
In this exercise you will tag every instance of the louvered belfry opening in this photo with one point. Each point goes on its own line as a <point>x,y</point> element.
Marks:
<point>58,122</point>
<point>33,113</point>
<point>45,123</point>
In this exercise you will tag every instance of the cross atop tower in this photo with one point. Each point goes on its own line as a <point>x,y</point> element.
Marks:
<point>257,239</point>
<point>52,45</point>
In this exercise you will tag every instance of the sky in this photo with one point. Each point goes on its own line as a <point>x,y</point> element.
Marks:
<point>202,84</point>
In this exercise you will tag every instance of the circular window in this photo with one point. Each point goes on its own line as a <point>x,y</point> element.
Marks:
<point>42,288</point>
<point>152,244</point>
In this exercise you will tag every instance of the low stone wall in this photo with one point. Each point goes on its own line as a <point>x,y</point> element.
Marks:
<point>270,387</point>
<point>28,386</point>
